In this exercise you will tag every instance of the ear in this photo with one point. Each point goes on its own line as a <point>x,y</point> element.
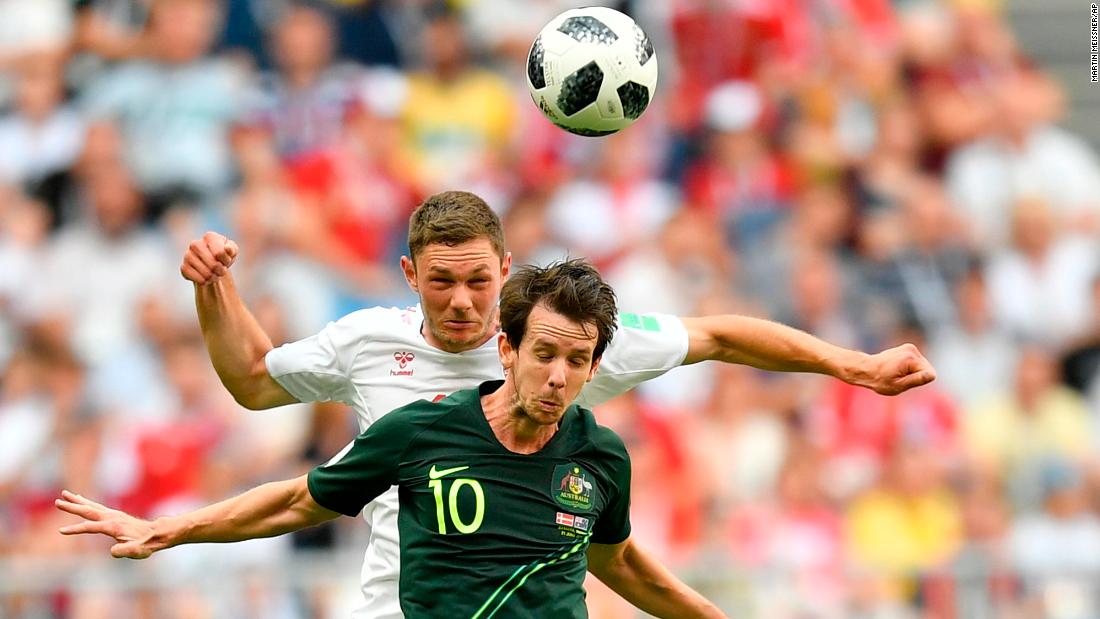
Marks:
<point>506,266</point>
<point>506,352</point>
<point>409,268</point>
<point>594,368</point>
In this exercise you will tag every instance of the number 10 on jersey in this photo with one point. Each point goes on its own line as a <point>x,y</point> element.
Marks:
<point>456,486</point>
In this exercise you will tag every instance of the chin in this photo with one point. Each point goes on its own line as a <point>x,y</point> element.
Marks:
<point>543,418</point>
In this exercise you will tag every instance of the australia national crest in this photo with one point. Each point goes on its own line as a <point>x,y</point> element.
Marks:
<point>572,487</point>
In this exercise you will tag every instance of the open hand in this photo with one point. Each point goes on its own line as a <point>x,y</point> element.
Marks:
<point>135,536</point>
<point>209,258</point>
<point>895,370</point>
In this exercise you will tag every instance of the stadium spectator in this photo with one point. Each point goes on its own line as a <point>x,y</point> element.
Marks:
<point>618,205</point>
<point>907,523</point>
<point>688,259</point>
<point>93,276</point>
<point>174,108</point>
<point>305,102</point>
<point>975,357</point>
<point>1039,287</point>
<point>458,118</point>
<point>796,533</point>
<point>1023,157</point>
<point>42,137</point>
<point>922,272</point>
<point>739,179</point>
<point>1010,433</point>
<point>1057,550</point>
<point>977,582</point>
<point>859,435</point>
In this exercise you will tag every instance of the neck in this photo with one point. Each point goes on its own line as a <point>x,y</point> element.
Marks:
<point>301,78</point>
<point>512,427</point>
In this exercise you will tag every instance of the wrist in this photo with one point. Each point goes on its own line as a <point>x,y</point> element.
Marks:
<point>168,531</point>
<point>850,366</point>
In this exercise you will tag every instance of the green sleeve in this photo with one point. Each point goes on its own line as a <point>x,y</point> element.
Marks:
<point>366,467</point>
<point>613,525</point>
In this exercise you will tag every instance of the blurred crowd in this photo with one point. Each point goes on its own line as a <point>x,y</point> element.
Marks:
<point>872,172</point>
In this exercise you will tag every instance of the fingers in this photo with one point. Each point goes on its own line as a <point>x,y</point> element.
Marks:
<point>129,550</point>
<point>208,258</point>
<point>194,270</point>
<point>221,248</point>
<point>915,370</point>
<point>87,512</point>
<point>79,498</point>
<point>87,526</point>
<point>916,379</point>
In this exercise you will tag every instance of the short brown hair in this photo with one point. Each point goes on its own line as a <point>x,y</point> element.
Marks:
<point>452,218</point>
<point>572,288</point>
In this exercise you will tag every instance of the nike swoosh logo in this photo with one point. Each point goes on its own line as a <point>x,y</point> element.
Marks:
<point>434,474</point>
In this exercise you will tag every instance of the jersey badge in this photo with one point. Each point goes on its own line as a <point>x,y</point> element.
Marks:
<point>403,359</point>
<point>572,487</point>
<point>574,522</point>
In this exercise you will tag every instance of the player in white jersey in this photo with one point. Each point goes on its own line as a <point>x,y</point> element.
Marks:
<point>378,359</point>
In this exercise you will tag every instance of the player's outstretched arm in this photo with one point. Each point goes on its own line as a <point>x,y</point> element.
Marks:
<point>236,342</point>
<point>266,511</point>
<point>773,346</point>
<point>641,580</point>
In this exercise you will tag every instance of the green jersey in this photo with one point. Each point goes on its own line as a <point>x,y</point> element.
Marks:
<point>484,531</point>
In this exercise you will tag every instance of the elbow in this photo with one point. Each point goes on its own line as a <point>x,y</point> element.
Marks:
<point>252,395</point>
<point>247,399</point>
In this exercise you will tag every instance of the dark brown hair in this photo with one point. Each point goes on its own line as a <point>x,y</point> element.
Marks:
<point>572,288</point>
<point>452,218</point>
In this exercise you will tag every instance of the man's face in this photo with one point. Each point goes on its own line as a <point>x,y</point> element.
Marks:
<point>459,288</point>
<point>552,364</point>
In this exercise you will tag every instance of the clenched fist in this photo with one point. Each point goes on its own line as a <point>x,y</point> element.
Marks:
<point>209,258</point>
<point>895,370</point>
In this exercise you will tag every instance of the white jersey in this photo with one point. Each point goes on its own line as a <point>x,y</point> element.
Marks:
<point>376,360</point>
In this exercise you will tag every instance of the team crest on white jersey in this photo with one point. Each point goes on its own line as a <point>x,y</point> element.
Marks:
<point>403,359</point>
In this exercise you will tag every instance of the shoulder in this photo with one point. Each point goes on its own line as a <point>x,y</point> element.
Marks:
<point>372,322</point>
<point>602,439</point>
<point>646,341</point>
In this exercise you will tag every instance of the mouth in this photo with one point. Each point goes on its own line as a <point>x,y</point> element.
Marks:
<point>549,405</point>
<point>459,325</point>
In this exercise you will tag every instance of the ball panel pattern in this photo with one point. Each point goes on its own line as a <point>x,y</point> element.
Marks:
<point>634,98</point>
<point>535,71</point>
<point>589,133</point>
<point>642,45</point>
<point>580,89</point>
<point>588,29</point>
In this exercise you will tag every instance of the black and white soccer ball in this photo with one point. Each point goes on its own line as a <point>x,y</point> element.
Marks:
<point>592,71</point>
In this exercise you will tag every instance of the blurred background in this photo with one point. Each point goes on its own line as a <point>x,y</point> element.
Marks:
<point>870,171</point>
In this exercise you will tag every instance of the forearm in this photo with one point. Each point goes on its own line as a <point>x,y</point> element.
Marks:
<point>237,345</point>
<point>266,511</point>
<point>644,582</point>
<point>769,345</point>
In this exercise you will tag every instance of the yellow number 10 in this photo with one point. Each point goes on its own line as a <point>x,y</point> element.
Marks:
<point>452,501</point>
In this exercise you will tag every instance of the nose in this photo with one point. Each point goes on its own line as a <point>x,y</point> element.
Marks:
<point>556,379</point>
<point>461,299</point>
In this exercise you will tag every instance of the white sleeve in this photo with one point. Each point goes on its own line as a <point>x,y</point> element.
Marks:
<point>645,346</point>
<point>317,368</point>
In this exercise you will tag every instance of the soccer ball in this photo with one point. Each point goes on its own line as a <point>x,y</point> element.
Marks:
<point>592,71</point>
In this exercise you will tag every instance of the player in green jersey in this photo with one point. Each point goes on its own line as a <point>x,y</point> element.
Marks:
<point>508,492</point>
